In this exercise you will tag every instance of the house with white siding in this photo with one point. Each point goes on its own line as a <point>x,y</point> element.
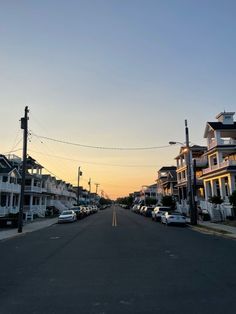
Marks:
<point>219,178</point>
<point>196,153</point>
<point>9,188</point>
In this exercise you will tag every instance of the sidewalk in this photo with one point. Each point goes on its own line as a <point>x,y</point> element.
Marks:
<point>216,228</point>
<point>28,227</point>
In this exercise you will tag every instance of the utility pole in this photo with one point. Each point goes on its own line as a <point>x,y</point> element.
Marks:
<point>79,174</point>
<point>195,212</point>
<point>24,126</point>
<point>189,176</point>
<point>89,184</point>
<point>97,185</point>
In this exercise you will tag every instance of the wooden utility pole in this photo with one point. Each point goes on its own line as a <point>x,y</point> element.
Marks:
<point>24,126</point>
<point>78,191</point>
<point>97,185</point>
<point>189,177</point>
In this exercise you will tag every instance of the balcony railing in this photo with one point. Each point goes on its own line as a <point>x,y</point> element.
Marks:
<point>214,143</point>
<point>221,165</point>
<point>34,208</point>
<point>33,189</point>
<point>9,187</point>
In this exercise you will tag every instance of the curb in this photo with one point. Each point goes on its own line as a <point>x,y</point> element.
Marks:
<point>213,231</point>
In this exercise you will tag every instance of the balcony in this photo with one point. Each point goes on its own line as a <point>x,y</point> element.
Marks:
<point>10,187</point>
<point>214,143</point>
<point>33,189</point>
<point>220,166</point>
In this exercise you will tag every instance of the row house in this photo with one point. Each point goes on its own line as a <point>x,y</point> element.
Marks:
<point>9,188</point>
<point>136,197</point>
<point>148,192</point>
<point>59,194</point>
<point>197,153</point>
<point>166,182</point>
<point>219,178</point>
<point>43,192</point>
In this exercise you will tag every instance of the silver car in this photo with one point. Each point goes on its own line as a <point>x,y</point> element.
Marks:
<point>67,216</point>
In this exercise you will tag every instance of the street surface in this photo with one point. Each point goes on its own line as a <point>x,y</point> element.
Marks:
<point>117,262</point>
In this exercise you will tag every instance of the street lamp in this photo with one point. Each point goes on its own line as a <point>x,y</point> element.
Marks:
<point>193,216</point>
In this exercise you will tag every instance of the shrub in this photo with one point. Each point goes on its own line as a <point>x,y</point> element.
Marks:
<point>215,199</point>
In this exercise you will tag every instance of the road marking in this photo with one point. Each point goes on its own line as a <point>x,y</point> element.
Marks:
<point>114,219</point>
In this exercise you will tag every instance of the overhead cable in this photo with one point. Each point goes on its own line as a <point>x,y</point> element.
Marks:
<point>98,147</point>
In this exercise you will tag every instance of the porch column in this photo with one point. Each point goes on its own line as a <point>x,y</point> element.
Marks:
<point>205,189</point>
<point>222,187</point>
<point>11,200</point>
<point>31,202</point>
<point>209,186</point>
<point>232,183</point>
<point>213,187</point>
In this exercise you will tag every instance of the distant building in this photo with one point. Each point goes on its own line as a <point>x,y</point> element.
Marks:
<point>166,182</point>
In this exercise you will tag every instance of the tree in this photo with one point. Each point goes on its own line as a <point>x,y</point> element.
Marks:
<point>104,201</point>
<point>150,201</point>
<point>168,200</point>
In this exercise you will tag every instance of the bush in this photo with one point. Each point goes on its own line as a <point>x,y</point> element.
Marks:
<point>168,200</point>
<point>215,199</point>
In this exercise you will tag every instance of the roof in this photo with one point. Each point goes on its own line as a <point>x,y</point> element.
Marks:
<point>166,168</point>
<point>5,166</point>
<point>218,126</point>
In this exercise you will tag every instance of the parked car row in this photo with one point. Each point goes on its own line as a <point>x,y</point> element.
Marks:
<point>163,214</point>
<point>76,213</point>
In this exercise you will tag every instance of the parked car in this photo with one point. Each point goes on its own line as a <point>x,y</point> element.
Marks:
<point>141,210</point>
<point>173,218</point>
<point>67,216</point>
<point>79,212</point>
<point>159,211</point>
<point>148,211</point>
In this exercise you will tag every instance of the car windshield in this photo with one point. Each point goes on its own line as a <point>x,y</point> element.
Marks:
<point>68,212</point>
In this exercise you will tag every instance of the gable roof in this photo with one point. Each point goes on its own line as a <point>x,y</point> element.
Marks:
<point>218,126</point>
<point>167,168</point>
<point>7,169</point>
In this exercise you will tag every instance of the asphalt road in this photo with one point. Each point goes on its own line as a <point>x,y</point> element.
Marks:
<point>117,262</point>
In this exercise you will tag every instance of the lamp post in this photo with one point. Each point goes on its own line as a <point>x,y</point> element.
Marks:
<point>192,208</point>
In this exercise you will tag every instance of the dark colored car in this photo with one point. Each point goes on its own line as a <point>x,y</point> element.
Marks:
<point>79,212</point>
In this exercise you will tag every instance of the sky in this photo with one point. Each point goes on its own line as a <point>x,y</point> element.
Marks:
<point>113,73</point>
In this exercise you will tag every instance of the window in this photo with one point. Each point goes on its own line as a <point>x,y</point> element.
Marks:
<point>214,159</point>
<point>4,179</point>
<point>217,187</point>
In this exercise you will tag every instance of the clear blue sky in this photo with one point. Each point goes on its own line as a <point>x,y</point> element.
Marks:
<point>115,73</point>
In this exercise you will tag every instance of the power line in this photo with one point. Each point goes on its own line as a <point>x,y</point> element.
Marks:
<point>98,147</point>
<point>95,163</point>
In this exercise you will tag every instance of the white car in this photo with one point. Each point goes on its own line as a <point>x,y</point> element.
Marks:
<point>173,218</point>
<point>159,211</point>
<point>67,216</point>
